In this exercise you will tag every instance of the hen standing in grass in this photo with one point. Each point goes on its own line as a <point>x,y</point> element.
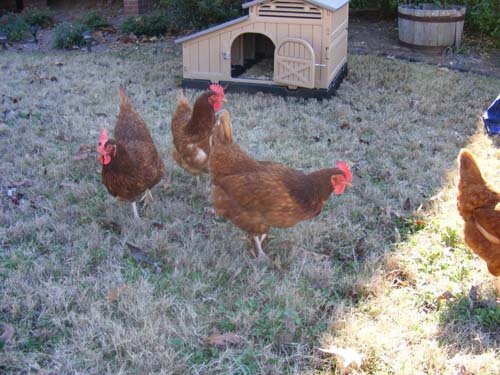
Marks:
<point>192,127</point>
<point>257,195</point>
<point>479,206</point>
<point>131,164</point>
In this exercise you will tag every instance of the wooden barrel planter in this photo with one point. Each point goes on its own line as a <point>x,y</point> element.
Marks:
<point>430,26</point>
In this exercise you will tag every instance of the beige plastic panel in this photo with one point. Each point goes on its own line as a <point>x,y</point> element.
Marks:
<point>210,55</point>
<point>289,9</point>
<point>337,54</point>
<point>294,63</point>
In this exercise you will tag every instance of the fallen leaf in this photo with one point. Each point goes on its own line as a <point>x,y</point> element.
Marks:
<point>66,185</point>
<point>58,63</point>
<point>65,138</point>
<point>111,226</point>
<point>222,340</point>
<point>23,182</point>
<point>115,293</point>
<point>8,332</point>
<point>407,204</point>
<point>445,295</point>
<point>364,141</point>
<point>348,356</point>
<point>286,337</point>
<point>84,151</point>
<point>345,126</point>
<point>138,254</point>
<point>158,225</point>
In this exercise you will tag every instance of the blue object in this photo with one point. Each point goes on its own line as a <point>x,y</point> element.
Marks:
<point>491,118</point>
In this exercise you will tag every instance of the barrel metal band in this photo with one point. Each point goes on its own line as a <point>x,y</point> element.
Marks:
<point>437,19</point>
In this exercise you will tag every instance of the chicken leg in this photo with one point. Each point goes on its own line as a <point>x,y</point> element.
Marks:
<point>258,243</point>
<point>134,208</point>
<point>147,198</point>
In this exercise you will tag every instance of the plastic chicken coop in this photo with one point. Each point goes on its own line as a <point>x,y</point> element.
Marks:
<point>291,48</point>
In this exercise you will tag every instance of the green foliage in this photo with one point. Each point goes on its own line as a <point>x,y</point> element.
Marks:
<point>94,21</point>
<point>484,16</point>
<point>41,17</point>
<point>450,237</point>
<point>150,25</point>
<point>201,13</point>
<point>481,15</point>
<point>68,35</point>
<point>14,26</point>
<point>487,317</point>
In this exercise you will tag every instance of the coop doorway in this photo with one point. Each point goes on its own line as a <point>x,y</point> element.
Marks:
<point>252,57</point>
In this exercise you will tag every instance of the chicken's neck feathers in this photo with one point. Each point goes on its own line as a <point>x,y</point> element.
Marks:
<point>203,116</point>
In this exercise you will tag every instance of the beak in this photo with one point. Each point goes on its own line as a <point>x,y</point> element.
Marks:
<point>349,184</point>
<point>224,100</point>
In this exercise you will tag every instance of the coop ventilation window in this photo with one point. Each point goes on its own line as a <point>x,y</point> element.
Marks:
<point>289,9</point>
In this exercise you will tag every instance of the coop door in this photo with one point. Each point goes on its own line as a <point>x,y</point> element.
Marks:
<point>294,63</point>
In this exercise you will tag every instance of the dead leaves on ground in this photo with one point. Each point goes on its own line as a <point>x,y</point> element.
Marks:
<point>115,293</point>
<point>348,357</point>
<point>111,226</point>
<point>140,256</point>
<point>84,151</point>
<point>222,340</point>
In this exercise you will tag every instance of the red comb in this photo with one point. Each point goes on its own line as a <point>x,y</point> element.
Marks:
<point>104,137</point>
<point>344,167</point>
<point>218,89</point>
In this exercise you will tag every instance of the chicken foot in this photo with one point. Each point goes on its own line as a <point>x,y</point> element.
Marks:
<point>147,198</point>
<point>258,243</point>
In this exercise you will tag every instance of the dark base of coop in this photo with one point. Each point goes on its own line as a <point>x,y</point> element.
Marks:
<point>284,91</point>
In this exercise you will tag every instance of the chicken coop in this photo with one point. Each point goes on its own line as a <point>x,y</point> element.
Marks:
<point>287,47</point>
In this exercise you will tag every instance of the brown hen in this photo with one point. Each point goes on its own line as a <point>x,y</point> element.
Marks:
<point>479,205</point>
<point>257,195</point>
<point>131,164</point>
<point>192,127</point>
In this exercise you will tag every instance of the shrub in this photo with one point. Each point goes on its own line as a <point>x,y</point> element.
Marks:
<point>94,21</point>
<point>484,16</point>
<point>14,26</point>
<point>68,35</point>
<point>481,16</point>
<point>40,17</point>
<point>152,25</point>
<point>201,13</point>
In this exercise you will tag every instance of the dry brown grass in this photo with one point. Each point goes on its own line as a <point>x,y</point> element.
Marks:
<point>63,272</point>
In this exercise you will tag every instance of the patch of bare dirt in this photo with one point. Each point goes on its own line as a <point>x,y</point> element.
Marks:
<point>380,37</point>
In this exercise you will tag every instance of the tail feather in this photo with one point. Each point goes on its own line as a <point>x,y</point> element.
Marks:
<point>182,112</point>
<point>182,100</point>
<point>124,99</point>
<point>469,170</point>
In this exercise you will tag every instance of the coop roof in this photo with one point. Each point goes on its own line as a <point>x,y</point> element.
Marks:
<point>332,5</point>
<point>211,30</point>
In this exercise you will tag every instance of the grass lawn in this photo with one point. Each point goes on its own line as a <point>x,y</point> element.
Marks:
<point>383,270</point>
